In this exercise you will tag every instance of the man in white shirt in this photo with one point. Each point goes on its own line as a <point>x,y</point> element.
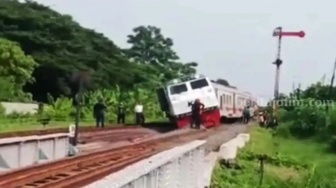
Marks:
<point>72,129</point>
<point>139,116</point>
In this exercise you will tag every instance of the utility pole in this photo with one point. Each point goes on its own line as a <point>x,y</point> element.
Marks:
<point>331,86</point>
<point>78,98</point>
<point>279,33</point>
<point>81,81</point>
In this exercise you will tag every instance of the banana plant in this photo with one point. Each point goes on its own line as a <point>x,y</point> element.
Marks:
<point>59,109</point>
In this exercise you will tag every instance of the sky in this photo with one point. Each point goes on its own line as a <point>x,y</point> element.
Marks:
<point>229,39</point>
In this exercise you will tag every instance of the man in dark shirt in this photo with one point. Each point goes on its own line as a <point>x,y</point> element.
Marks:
<point>121,113</point>
<point>246,115</point>
<point>99,113</point>
<point>196,112</point>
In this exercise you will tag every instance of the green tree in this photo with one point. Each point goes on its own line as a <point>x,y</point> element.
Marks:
<point>16,69</point>
<point>61,47</point>
<point>318,91</point>
<point>150,47</point>
<point>15,64</point>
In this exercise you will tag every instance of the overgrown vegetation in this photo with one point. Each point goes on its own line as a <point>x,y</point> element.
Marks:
<point>300,151</point>
<point>291,163</point>
<point>314,117</point>
<point>61,110</point>
<point>61,47</point>
<point>41,51</point>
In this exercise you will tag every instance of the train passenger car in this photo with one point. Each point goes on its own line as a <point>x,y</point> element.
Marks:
<point>232,101</point>
<point>177,96</point>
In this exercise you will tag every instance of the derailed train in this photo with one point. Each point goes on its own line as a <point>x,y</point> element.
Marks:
<point>220,101</point>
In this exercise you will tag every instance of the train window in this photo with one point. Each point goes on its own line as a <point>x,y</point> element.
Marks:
<point>177,89</point>
<point>221,102</point>
<point>199,84</point>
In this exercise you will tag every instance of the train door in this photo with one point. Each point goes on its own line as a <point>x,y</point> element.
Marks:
<point>162,99</point>
<point>234,102</point>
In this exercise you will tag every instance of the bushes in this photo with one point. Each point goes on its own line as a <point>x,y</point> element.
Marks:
<point>307,121</point>
<point>289,163</point>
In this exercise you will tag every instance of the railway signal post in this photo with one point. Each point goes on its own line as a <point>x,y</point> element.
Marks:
<point>81,80</point>
<point>279,33</point>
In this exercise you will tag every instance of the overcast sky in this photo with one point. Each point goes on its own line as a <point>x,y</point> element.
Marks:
<point>229,39</point>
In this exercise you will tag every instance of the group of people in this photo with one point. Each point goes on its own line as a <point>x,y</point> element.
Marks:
<point>99,111</point>
<point>267,120</point>
<point>197,108</point>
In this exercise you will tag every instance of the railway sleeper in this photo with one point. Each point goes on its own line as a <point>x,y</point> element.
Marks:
<point>80,174</point>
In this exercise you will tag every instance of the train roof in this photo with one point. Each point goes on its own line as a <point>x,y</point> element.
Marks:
<point>184,79</point>
<point>230,88</point>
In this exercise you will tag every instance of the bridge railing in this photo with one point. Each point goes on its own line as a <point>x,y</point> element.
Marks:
<point>180,167</point>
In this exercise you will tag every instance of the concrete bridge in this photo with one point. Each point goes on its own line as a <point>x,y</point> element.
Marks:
<point>186,166</point>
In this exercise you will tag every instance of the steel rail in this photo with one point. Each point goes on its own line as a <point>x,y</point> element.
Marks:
<point>65,130</point>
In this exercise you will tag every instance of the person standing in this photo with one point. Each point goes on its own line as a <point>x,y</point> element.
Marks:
<point>246,114</point>
<point>139,116</point>
<point>72,129</point>
<point>121,113</point>
<point>196,114</point>
<point>261,119</point>
<point>99,113</point>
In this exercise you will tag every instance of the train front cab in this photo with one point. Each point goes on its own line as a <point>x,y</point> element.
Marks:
<point>198,88</point>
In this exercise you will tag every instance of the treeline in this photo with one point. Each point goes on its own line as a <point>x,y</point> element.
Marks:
<point>41,51</point>
<point>44,54</point>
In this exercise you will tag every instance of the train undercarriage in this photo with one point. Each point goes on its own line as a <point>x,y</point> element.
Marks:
<point>210,118</point>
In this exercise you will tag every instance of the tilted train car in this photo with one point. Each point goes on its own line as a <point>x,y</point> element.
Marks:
<point>220,101</point>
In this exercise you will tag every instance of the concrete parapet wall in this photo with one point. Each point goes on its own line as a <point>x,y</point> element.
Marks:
<point>22,108</point>
<point>180,167</point>
<point>227,151</point>
<point>230,149</point>
<point>18,152</point>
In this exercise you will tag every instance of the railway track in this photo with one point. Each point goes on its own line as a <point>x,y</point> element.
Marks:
<point>92,134</point>
<point>47,130</point>
<point>115,135</point>
<point>84,169</point>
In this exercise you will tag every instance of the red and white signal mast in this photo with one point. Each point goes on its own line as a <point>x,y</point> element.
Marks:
<point>279,33</point>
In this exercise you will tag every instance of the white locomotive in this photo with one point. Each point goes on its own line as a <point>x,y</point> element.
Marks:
<point>220,101</point>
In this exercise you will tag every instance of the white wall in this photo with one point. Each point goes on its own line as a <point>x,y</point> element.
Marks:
<point>24,108</point>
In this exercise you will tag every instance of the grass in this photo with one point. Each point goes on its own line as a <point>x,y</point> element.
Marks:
<point>296,164</point>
